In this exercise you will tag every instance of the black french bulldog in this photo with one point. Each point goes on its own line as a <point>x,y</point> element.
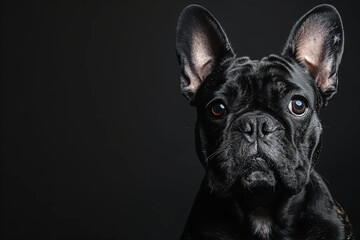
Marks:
<point>258,132</point>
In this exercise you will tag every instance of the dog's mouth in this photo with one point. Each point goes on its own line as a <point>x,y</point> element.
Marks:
<point>257,173</point>
<point>259,179</point>
<point>259,184</point>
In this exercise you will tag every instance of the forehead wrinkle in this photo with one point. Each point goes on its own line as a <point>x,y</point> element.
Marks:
<point>236,70</point>
<point>280,61</point>
<point>245,86</point>
<point>278,69</point>
<point>297,81</point>
<point>274,70</point>
<point>229,90</point>
<point>247,78</point>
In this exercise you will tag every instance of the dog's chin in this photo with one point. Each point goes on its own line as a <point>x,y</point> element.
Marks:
<point>258,188</point>
<point>263,179</point>
<point>256,182</point>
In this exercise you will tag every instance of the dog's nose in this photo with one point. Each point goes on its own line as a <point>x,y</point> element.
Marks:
<point>257,125</point>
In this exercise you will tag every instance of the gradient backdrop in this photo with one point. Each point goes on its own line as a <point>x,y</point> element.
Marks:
<point>99,142</point>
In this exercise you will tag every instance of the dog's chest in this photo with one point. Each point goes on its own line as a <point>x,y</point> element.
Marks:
<point>261,223</point>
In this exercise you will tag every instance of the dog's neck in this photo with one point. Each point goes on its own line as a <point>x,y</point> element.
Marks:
<point>263,219</point>
<point>261,222</point>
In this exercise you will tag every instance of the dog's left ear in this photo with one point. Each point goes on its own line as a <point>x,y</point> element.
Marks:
<point>317,42</point>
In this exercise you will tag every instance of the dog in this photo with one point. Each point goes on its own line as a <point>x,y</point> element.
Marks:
<point>258,133</point>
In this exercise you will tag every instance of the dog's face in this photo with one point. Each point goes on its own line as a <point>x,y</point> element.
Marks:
<point>258,127</point>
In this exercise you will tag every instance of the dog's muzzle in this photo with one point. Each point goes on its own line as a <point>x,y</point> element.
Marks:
<point>258,175</point>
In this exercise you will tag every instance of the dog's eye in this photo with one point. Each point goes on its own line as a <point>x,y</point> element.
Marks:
<point>218,109</point>
<point>298,107</point>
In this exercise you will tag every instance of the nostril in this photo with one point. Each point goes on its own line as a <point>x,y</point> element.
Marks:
<point>246,127</point>
<point>257,125</point>
<point>267,128</point>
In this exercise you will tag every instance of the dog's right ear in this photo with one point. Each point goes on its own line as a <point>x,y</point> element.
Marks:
<point>201,44</point>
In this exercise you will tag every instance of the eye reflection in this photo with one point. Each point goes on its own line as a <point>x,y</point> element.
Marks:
<point>297,107</point>
<point>218,109</point>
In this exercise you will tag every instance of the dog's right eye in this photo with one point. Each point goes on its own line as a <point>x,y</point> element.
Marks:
<point>218,109</point>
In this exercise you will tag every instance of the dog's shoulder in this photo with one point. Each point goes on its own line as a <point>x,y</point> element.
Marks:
<point>349,232</point>
<point>324,215</point>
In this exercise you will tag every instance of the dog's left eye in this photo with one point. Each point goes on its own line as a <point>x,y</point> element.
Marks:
<point>218,109</point>
<point>298,107</point>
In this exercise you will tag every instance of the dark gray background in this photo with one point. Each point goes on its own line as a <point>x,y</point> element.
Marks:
<point>99,142</point>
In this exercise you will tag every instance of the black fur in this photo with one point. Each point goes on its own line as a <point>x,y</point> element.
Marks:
<point>259,156</point>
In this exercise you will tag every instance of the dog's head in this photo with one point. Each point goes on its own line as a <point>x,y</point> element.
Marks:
<point>258,126</point>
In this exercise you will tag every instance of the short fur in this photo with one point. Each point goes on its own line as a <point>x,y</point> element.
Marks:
<point>258,155</point>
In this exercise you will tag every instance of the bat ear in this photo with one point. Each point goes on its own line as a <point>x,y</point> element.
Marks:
<point>201,44</point>
<point>317,42</point>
